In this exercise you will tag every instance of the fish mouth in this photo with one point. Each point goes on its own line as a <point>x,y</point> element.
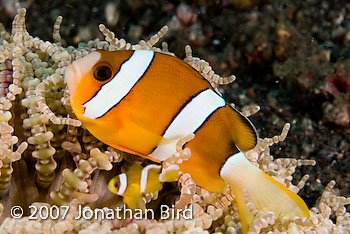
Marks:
<point>72,76</point>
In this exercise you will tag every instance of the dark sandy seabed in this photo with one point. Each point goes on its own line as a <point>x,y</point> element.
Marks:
<point>292,59</point>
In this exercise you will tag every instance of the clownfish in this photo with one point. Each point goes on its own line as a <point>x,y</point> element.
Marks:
<point>138,180</point>
<point>143,102</point>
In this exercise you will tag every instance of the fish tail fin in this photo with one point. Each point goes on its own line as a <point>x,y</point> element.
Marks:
<point>264,192</point>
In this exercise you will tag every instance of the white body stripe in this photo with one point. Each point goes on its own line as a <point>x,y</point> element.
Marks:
<point>123,183</point>
<point>190,118</point>
<point>116,89</point>
<point>144,176</point>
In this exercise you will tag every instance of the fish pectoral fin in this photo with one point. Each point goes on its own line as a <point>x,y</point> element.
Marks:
<point>148,134</point>
<point>133,197</point>
<point>142,137</point>
<point>153,182</point>
<point>266,193</point>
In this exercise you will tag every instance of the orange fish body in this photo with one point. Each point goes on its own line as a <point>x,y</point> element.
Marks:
<point>143,102</point>
<point>138,122</point>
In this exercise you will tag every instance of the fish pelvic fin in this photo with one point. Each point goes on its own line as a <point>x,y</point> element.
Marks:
<point>132,195</point>
<point>266,193</point>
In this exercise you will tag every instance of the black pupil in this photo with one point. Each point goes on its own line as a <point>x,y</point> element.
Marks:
<point>103,73</point>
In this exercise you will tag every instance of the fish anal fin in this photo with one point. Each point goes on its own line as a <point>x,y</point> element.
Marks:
<point>243,132</point>
<point>264,192</point>
<point>203,172</point>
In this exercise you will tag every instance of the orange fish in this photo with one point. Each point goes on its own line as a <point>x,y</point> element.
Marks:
<point>143,102</point>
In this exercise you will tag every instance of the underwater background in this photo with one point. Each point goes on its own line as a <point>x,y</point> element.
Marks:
<point>292,58</point>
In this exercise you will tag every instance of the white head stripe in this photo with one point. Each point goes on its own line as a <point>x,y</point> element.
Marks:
<point>111,93</point>
<point>190,118</point>
<point>144,176</point>
<point>123,183</point>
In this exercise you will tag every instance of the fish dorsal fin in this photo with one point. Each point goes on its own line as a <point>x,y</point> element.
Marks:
<point>243,133</point>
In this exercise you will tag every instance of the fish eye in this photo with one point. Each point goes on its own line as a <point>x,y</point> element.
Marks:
<point>117,184</point>
<point>102,73</point>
